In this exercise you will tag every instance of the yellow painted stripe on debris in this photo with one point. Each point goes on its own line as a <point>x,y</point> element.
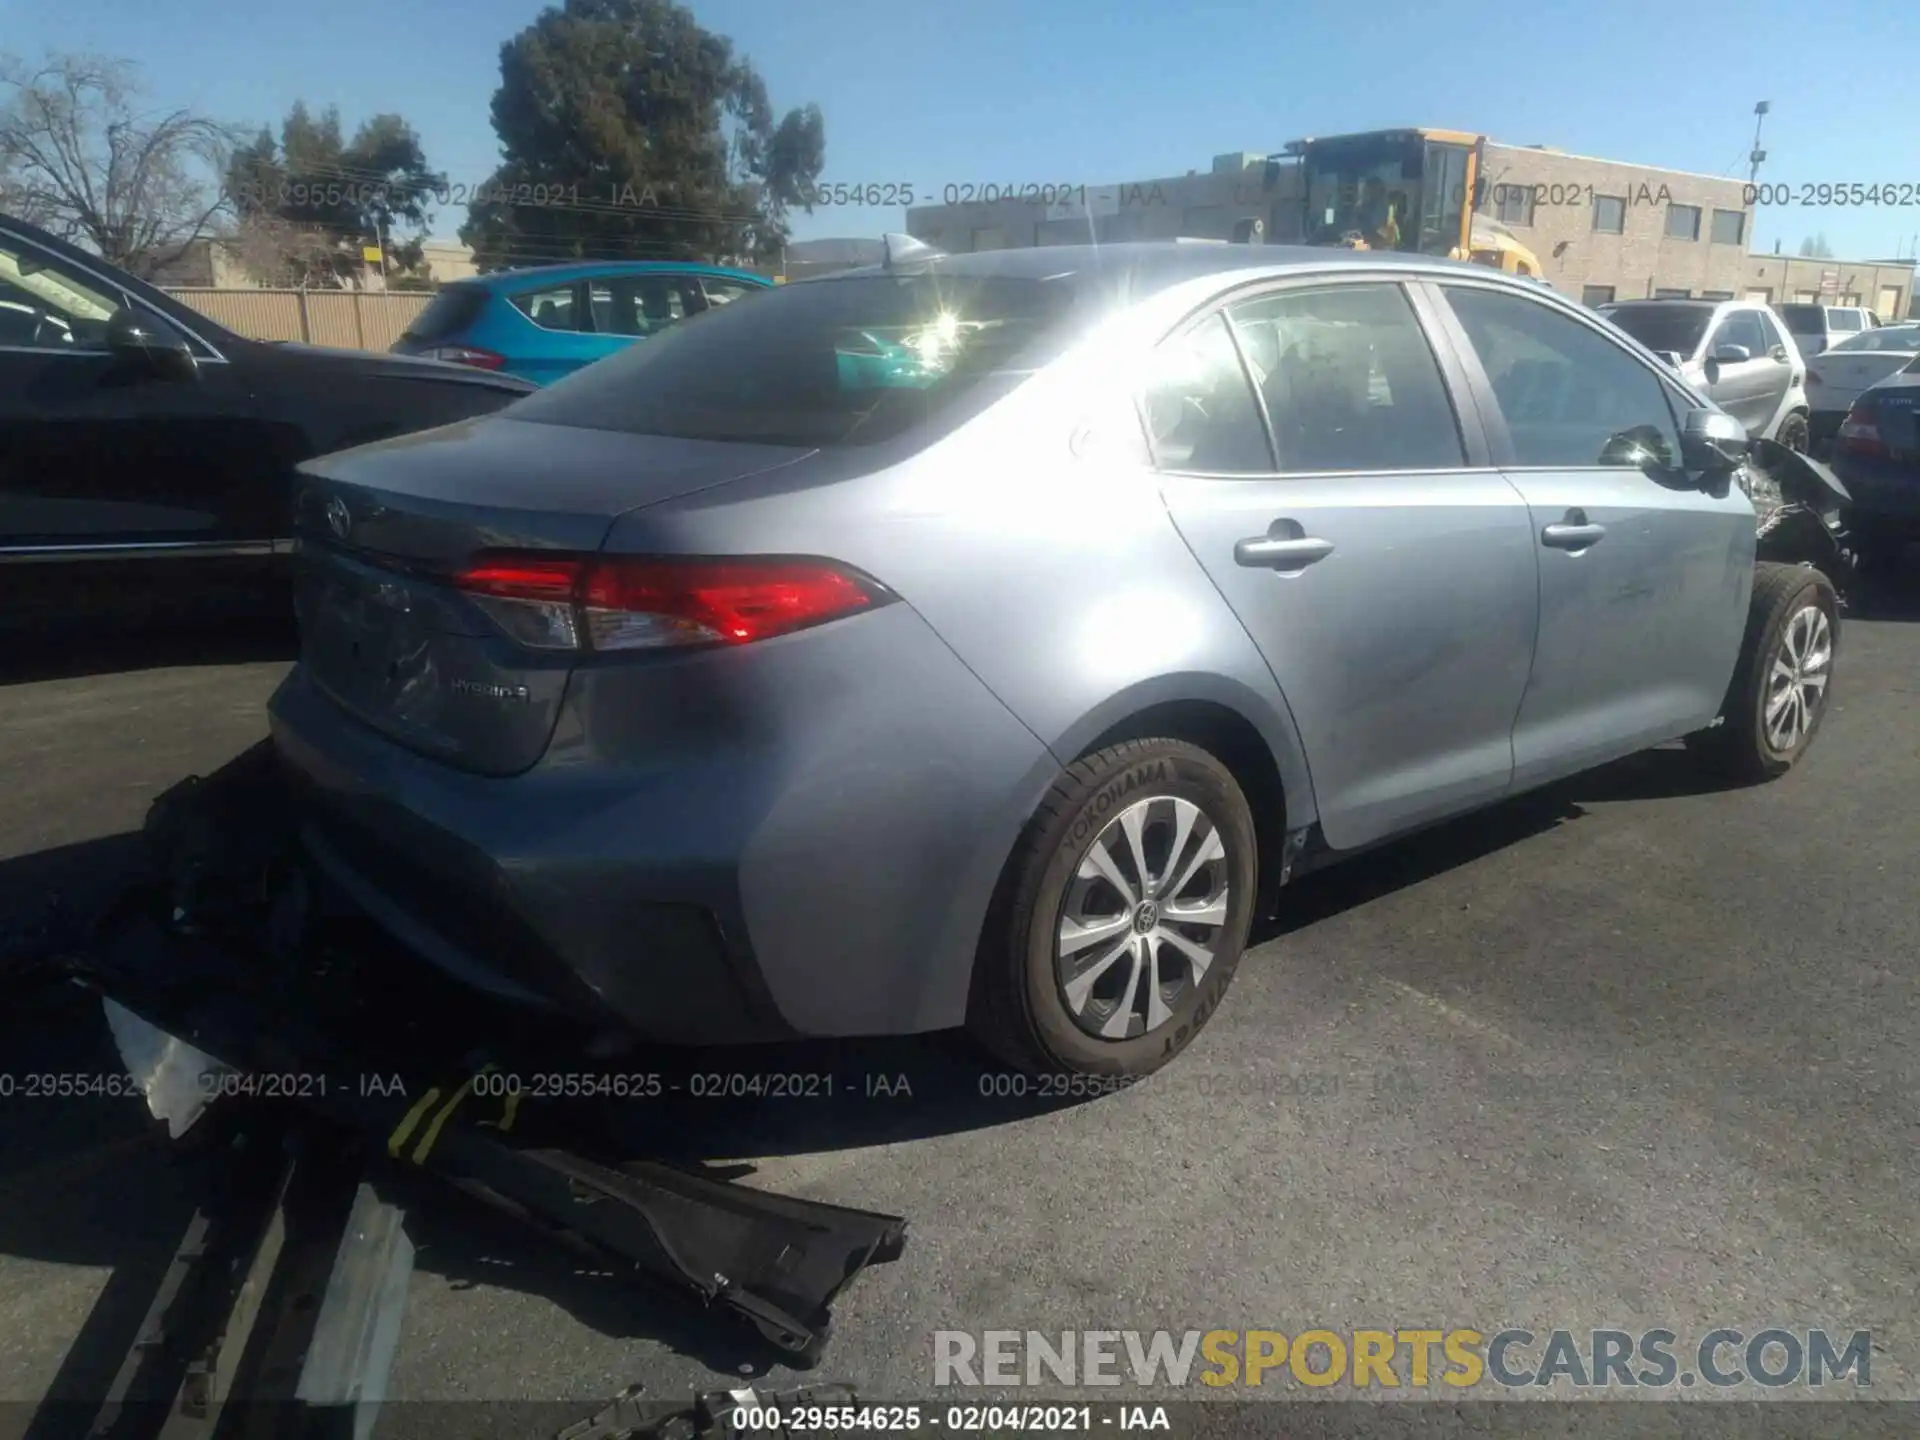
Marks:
<point>432,1134</point>
<point>397,1141</point>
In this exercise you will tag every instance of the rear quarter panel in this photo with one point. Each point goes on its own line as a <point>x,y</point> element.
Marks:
<point>1034,542</point>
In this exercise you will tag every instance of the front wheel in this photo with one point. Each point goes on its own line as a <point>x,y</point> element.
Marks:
<point>1783,681</point>
<point>1121,915</point>
<point>1794,434</point>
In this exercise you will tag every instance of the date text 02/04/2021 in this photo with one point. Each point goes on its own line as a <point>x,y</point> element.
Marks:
<point>953,1419</point>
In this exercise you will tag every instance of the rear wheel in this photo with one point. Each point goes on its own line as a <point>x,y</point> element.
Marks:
<point>1121,916</point>
<point>1782,682</point>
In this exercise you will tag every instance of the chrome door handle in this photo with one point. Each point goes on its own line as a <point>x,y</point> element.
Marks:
<point>1572,536</point>
<point>1274,553</point>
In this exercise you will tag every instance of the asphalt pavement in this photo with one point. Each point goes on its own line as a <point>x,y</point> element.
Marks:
<point>1635,1052</point>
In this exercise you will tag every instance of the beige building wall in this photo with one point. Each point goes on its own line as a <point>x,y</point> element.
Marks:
<point>1603,229</point>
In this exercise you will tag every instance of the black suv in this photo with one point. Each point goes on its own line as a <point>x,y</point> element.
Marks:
<point>147,454</point>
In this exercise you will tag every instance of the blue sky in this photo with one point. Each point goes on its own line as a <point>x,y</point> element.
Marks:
<point>1069,91</point>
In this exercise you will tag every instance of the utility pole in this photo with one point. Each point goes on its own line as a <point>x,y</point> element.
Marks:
<point>1754,159</point>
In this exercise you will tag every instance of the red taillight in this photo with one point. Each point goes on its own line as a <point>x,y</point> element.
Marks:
<point>618,602</point>
<point>1860,432</point>
<point>467,355</point>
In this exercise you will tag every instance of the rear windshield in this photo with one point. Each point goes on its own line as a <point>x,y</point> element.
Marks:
<point>1663,327</point>
<point>836,362</point>
<point>1904,338</point>
<point>448,313</point>
<point>1805,319</point>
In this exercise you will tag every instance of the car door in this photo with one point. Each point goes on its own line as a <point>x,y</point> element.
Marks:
<point>1644,573</point>
<point>1750,390</point>
<point>114,477</point>
<point>1314,460</point>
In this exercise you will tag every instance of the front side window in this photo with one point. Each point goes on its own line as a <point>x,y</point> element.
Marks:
<point>46,306</point>
<point>1770,329</point>
<point>1200,411</point>
<point>1349,381</point>
<point>1743,330</point>
<point>550,309</point>
<point>830,362</point>
<point>1571,397</point>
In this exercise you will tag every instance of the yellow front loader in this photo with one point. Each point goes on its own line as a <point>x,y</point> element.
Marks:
<point>1412,190</point>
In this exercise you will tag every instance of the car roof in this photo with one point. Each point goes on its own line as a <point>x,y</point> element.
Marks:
<point>1144,266</point>
<point>590,269</point>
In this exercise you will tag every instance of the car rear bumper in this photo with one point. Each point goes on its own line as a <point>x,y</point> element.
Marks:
<point>797,838</point>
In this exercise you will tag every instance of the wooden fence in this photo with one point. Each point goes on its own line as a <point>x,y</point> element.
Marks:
<point>354,319</point>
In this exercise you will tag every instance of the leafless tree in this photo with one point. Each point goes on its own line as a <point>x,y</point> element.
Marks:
<point>80,156</point>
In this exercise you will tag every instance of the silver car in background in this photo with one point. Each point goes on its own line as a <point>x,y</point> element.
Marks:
<point>1735,352</point>
<point>985,639</point>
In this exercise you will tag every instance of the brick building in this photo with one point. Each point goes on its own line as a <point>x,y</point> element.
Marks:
<point>1603,229</point>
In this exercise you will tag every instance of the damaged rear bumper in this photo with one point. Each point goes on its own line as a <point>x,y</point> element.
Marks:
<point>215,989</point>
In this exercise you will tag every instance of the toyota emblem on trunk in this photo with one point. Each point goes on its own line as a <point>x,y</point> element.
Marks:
<point>339,518</point>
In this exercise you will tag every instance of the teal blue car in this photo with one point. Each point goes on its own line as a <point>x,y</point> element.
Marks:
<point>543,324</point>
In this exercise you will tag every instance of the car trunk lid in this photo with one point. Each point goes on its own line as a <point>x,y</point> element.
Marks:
<point>385,529</point>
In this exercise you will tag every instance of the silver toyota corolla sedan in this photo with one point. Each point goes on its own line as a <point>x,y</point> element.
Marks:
<point>984,639</point>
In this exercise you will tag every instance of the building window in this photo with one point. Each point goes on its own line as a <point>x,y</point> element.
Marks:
<point>1762,293</point>
<point>1806,297</point>
<point>1729,227</point>
<point>990,237</point>
<point>1513,204</point>
<point>1596,294</point>
<point>1850,299</point>
<point>1716,294</point>
<point>1610,214</point>
<point>1672,294</point>
<point>1683,222</point>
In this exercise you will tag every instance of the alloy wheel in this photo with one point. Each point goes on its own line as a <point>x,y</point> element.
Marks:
<point>1797,680</point>
<point>1143,918</point>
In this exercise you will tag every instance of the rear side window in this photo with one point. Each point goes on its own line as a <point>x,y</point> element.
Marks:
<point>1571,397</point>
<point>453,310</point>
<point>550,309</point>
<point>642,304</point>
<point>1349,381</point>
<point>1201,414</point>
<point>838,362</point>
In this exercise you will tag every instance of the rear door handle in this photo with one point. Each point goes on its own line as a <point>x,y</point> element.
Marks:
<point>1285,546</point>
<point>1573,534</point>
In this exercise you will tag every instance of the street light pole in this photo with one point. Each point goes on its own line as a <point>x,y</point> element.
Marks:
<point>1757,155</point>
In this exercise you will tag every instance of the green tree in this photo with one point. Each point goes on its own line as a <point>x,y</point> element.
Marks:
<point>1816,247</point>
<point>320,198</point>
<point>629,131</point>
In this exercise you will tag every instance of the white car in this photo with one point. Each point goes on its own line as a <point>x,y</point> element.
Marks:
<point>1839,376</point>
<point>1735,352</point>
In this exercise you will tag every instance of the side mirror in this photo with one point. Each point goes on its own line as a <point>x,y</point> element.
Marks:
<point>144,341</point>
<point>1732,354</point>
<point>1712,442</point>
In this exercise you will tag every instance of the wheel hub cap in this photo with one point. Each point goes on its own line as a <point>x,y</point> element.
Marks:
<point>1143,918</point>
<point>1797,681</point>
